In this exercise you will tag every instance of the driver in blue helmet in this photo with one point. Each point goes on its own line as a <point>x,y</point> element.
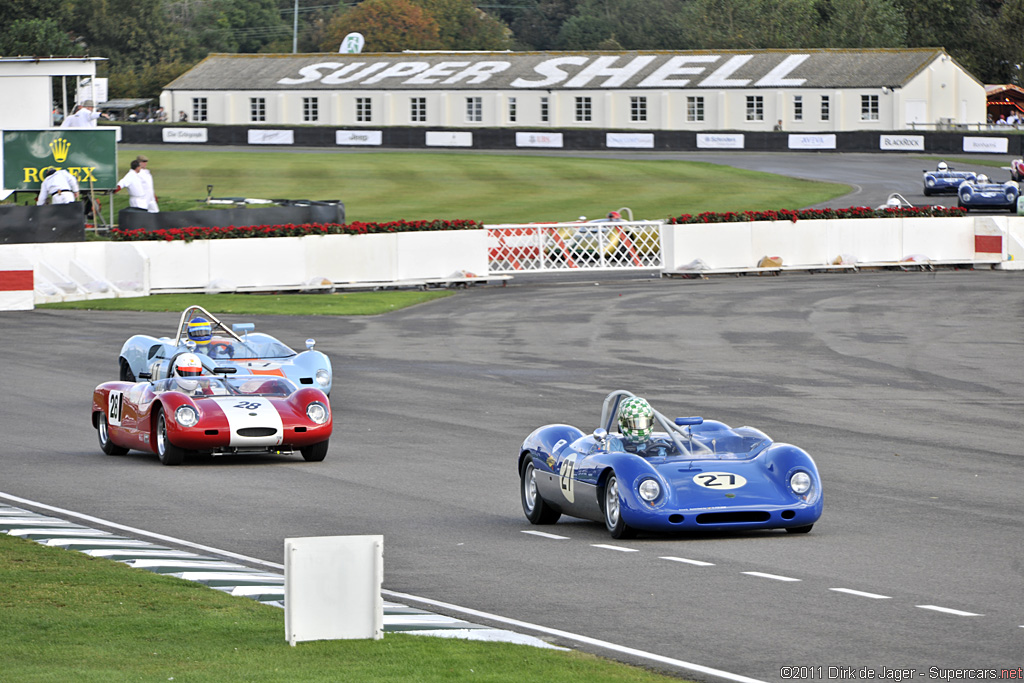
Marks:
<point>200,331</point>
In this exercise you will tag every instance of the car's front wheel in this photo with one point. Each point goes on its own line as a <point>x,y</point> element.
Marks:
<point>537,511</point>
<point>103,430</point>
<point>168,453</point>
<point>613,510</point>
<point>315,453</point>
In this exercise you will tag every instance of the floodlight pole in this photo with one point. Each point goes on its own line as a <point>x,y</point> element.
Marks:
<point>295,29</point>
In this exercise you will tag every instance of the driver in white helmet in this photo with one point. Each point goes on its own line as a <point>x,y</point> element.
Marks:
<point>187,369</point>
<point>942,166</point>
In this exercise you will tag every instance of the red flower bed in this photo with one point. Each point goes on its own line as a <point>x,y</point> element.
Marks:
<point>289,230</point>
<point>817,214</point>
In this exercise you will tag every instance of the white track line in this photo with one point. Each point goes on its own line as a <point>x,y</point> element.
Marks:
<point>774,577</point>
<point>649,656</point>
<point>862,594</point>
<point>697,563</point>
<point>947,610</point>
<point>614,547</point>
<point>544,534</point>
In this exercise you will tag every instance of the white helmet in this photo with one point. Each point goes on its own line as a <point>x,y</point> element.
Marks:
<point>188,367</point>
<point>982,178</point>
<point>942,166</point>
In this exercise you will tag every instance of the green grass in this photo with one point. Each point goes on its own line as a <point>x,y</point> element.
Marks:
<point>71,617</point>
<point>489,188</point>
<point>339,303</point>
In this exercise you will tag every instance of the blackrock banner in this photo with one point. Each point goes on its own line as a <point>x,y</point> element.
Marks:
<point>89,155</point>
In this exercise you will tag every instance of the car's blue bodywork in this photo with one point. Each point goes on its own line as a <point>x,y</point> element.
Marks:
<point>946,182</point>
<point>708,476</point>
<point>982,195</point>
<point>249,352</point>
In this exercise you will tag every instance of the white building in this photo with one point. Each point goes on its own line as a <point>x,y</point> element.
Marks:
<point>26,88</point>
<point>808,90</point>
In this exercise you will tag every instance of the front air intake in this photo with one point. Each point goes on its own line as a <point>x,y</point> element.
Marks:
<point>256,431</point>
<point>742,517</point>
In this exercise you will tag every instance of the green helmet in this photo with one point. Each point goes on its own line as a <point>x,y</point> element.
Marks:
<point>636,419</point>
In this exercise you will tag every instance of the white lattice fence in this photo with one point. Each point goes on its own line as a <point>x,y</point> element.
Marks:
<point>553,247</point>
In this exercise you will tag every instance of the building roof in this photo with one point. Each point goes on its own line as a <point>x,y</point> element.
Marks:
<point>122,104</point>
<point>691,69</point>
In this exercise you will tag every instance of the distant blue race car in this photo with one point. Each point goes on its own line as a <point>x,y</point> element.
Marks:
<point>983,194</point>
<point>691,474</point>
<point>945,182</point>
<point>252,353</point>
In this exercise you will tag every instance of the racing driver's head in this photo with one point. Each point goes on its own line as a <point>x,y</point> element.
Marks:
<point>200,330</point>
<point>636,419</point>
<point>188,367</point>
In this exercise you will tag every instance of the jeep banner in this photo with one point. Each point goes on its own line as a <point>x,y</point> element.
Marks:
<point>89,155</point>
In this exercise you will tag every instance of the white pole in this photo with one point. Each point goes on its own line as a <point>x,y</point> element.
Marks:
<point>295,29</point>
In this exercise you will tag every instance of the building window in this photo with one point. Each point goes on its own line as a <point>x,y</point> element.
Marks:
<point>364,109</point>
<point>512,105</point>
<point>826,110</point>
<point>418,109</point>
<point>310,109</point>
<point>257,109</point>
<point>755,108</point>
<point>694,109</point>
<point>798,107</point>
<point>198,108</point>
<point>637,108</point>
<point>869,107</point>
<point>474,109</point>
<point>544,110</point>
<point>584,109</point>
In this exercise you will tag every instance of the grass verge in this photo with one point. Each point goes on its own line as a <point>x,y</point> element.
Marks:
<point>68,616</point>
<point>338,303</point>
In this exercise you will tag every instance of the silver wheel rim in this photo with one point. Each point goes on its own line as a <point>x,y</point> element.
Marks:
<point>161,435</point>
<point>103,430</point>
<point>611,502</point>
<point>530,487</point>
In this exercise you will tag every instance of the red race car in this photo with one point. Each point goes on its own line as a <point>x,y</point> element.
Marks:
<point>1017,170</point>
<point>216,415</point>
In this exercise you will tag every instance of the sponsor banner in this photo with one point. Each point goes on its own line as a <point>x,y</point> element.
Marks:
<point>538,139</point>
<point>630,140</point>
<point>358,137</point>
<point>271,137</point>
<point>87,90</point>
<point>720,140</point>
<point>812,141</point>
<point>901,143</point>
<point>443,138</point>
<point>88,154</point>
<point>989,145</point>
<point>196,135</point>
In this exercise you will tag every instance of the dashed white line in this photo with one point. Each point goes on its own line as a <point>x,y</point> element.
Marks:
<point>947,610</point>
<point>545,534</point>
<point>862,594</point>
<point>698,563</point>
<point>615,547</point>
<point>775,577</point>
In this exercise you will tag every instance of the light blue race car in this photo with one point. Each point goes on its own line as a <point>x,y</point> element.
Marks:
<point>986,195</point>
<point>217,345</point>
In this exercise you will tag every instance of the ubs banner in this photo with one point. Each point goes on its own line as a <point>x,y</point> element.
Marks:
<point>89,155</point>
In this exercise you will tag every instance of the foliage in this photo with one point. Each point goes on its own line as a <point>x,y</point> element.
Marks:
<point>818,214</point>
<point>37,37</point>
<point>461,26</point>
<point>387,25</point>
<point>288,230</point>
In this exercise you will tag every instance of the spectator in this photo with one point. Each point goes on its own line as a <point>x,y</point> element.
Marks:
<point>1012,119</point>
<point>147,184</point>
<point>1001,121</point>
<point>183,117</point>
<point>85,117</point>
<point>778,126</point>
<point>58,187</point>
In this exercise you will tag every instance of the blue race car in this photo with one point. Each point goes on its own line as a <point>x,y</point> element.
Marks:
<point>691,474</point>
<point>984,194</point>
<point>217,345</point>
<point>945,180</point>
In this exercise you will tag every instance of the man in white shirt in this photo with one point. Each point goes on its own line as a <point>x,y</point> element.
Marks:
<point>85,117</point>
<point>147,184</point>
<point>58,187</point>
<point>132,182</point>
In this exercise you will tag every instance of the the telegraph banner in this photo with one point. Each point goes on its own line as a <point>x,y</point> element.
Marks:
<point>89,155</point>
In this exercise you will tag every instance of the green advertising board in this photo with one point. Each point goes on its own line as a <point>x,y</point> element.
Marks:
<point>90,155</point>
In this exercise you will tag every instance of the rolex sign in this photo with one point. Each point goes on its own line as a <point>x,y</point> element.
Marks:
<point>89,155</point>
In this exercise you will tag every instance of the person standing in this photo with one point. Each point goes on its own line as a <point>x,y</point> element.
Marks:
<point>85,117</point>
<point>132,182</point>
<point>58,187</point>
<point>147,184</point>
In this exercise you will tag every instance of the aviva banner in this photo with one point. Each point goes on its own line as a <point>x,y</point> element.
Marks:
<point>90,155</point>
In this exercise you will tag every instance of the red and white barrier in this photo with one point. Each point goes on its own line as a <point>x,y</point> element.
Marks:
<point>17,280</point>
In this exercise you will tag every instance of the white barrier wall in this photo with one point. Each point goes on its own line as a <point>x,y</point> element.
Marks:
<point>15,283</point>
<point>69,271</point>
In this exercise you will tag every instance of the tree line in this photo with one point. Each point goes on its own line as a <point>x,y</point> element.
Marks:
<point>148,43</point>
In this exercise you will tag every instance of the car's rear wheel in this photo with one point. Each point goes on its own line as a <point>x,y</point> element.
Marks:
<point>103,430</point>
<point>315,453</point>
<point>537,511</point>
<point>168,453</point>
<point>126,374</point>
<point>799,529</point>
<point>613,510</point>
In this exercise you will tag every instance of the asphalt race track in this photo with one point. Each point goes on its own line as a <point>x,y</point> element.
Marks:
<point>906,387</point>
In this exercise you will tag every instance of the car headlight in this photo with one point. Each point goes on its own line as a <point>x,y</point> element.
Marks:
<point>800,482</point>
<point>649,490</point>
<point>323,377</point>
<point>186,416</point>
<point>317,412</point>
